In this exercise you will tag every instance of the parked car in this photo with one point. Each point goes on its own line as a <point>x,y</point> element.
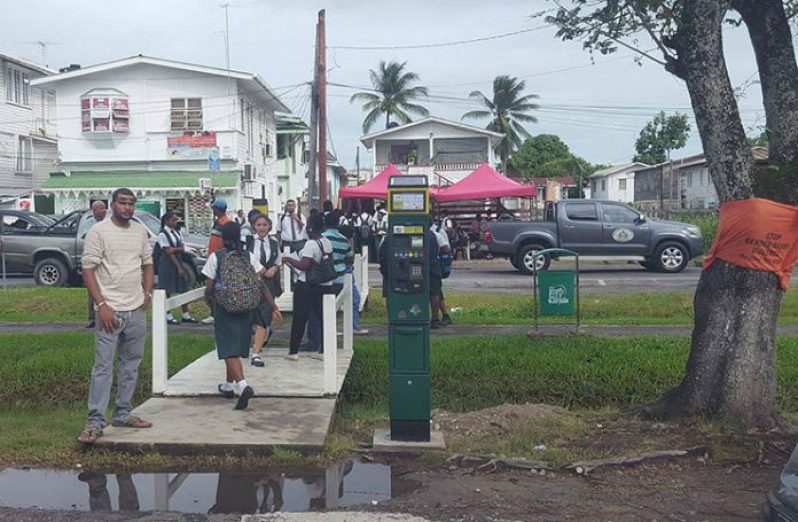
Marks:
<point>50,249</point>
<point>603,229</point>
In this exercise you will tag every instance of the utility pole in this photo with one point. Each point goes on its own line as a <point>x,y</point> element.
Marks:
<point>313,195</point>
<point>322,94</point>
<point>357,162</point>
<point>230,99</point>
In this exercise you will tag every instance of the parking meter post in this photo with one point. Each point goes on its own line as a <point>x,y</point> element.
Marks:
<point>578,297</point>
<point>3,254</point>
<point>535,293</point>
<point>408,296</point>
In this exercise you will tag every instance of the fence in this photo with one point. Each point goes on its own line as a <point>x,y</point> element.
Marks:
<point>343,301</point>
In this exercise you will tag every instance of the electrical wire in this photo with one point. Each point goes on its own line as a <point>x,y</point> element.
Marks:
<point>438,44</point>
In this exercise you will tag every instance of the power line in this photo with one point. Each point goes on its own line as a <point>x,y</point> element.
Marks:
<point>439,44</point>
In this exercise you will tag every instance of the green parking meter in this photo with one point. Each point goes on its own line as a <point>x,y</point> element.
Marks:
<point>408,307</point>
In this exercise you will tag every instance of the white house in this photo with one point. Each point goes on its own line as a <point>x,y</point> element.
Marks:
<point>615,183</point>
<point>445,150</point>
<point>291,167</point>
<point>27,131</point>
<point>176,133</point>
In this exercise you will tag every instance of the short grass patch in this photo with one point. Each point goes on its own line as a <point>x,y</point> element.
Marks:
<point>68,305</point>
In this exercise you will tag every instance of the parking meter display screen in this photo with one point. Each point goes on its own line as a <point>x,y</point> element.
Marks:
<point>408,202</point>
<point>417,242</point>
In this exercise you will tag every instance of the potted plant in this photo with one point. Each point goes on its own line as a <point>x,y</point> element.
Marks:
<point>412,156</point>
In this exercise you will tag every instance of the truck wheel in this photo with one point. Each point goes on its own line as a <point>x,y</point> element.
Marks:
<point>527,256</point>
<point>192,276</point>
<point>671,257</point>
<point>50,272</point>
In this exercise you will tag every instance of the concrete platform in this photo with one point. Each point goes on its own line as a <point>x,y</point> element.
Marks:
<point>382,442</point>
<point>211,425</point>
<point>279,378</point>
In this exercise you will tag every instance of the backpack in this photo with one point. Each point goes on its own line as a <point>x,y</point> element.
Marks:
<point>236,288</point>
<point>323,271</point>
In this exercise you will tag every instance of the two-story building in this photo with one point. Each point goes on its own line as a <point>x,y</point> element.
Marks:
<point>176,133</point>
<point>683,183</point>
<point>447,151</point>
<point>615,183</point>
<point>27,132</point>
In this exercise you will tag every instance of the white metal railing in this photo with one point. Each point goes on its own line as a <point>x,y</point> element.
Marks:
<point>160,334</point>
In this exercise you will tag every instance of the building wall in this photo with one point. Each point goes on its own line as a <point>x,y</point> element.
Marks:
<point>697,188</point>
<point>36,120</point>
<point>609,187</point>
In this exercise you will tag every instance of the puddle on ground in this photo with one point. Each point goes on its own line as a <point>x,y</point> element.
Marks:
<point>346,484</point>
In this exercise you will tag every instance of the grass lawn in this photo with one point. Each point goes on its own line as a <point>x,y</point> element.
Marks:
<point>44,381</point>
<point>44,305</point>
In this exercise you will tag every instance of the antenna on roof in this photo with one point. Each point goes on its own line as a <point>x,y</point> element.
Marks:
<point>43,45</point>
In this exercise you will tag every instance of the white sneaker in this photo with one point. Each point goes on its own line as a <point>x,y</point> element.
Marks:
<point>292,357</point>
<point>362,331</point>
<point>208,320</point>
<point>317,355</point>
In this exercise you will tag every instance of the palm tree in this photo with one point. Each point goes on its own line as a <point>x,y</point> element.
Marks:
<point>506,110</point>
<point>395,94</point>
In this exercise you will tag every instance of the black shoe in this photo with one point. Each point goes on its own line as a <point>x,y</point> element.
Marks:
<point>435,324</point>
<point>227,394</point>
<point>91,324</point>
<point>446,320</point>
<point>243,399</point>
<point>188,320</point>
<point>172,321</point>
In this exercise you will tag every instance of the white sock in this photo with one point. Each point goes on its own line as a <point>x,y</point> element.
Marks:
<point>240,385</point>
<point>186,315</point>
<point>169,316</point>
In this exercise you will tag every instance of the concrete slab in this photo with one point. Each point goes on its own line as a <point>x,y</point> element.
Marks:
<point>382,442</point>
<point>210,425</point>
<point>279,378</point>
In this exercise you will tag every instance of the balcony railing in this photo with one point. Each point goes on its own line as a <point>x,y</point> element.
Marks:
<point>440,167</point>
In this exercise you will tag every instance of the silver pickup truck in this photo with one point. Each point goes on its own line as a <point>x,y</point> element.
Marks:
<point>50,249</point>
<point>600,229</point>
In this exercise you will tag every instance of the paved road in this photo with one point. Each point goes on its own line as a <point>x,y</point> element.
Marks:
<point>499,276</point>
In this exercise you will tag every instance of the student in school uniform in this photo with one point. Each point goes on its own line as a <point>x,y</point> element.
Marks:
<point>268,252</point>
<point>233,332</point>
<point>172,275</point>
<point>291,228</point>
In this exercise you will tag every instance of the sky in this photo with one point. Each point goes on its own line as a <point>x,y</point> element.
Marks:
<point>596,106</point>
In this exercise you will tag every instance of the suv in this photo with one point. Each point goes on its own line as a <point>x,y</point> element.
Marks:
<point>51,249</point>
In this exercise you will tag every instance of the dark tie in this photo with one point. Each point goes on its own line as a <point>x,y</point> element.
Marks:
<point>293,229</point>
<point>263,258</point>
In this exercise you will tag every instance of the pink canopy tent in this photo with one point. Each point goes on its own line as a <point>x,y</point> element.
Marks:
<point>484,183</point>
<point>376,188</point>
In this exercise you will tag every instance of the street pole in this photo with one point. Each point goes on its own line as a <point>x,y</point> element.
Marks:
<point>314,127</point>
<point>3,253</point>
<point>322,93</point>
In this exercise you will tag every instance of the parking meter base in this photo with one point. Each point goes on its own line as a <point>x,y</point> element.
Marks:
<point>410,431</point>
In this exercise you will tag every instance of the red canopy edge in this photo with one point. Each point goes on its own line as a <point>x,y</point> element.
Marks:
<point>376,188</point>
<point>484,183</point>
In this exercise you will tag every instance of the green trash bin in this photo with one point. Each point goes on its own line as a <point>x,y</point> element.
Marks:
<point>556,292</point>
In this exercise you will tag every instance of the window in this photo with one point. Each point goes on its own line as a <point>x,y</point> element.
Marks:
<point>581,211</point>
<point>618,214</point>
<point>622,184</point>
<point>104,113</point>
<point>690,180</point>
<point>283,146</point>
<point>14,223</point>
<point>17,86</point>
<point>24,154</point>
<point>186,114</point>
<point>594,185</point>
<point>603,185</point>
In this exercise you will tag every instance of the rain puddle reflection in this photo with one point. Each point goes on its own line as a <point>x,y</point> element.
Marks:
<point>346,484</point>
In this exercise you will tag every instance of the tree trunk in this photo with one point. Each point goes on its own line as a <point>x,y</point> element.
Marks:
<point>387,119</point>
<point>731,368</point>
<point>770,35</point>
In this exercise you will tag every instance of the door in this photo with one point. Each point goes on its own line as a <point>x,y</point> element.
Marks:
<point>18,243</point>
<point>623,232</point>
<point>579,227</point>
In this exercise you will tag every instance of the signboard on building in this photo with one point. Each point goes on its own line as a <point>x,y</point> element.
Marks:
<point>191,145</point>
